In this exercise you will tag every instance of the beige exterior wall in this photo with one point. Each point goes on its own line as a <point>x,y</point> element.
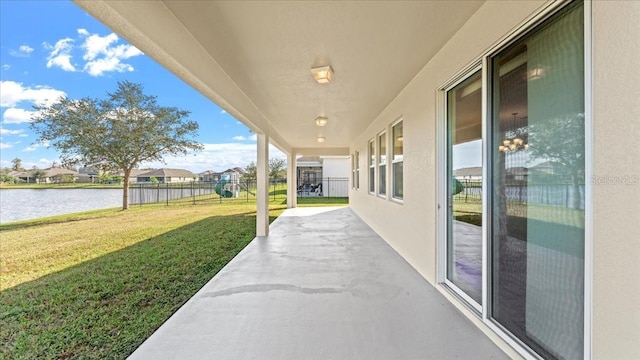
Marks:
<point>410,227</point>
<point>616,234</point>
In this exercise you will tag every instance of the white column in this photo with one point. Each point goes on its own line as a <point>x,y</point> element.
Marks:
<point>262,191</point>
<point>292,181</point>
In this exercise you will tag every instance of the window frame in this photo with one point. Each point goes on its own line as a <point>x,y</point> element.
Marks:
<point>357,169</point>
<point>443,187</point>
<point>393,197</point>
<point>381,161</point>
<point>371,152</point>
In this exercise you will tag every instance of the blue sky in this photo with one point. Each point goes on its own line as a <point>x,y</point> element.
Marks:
<point>54,48</point>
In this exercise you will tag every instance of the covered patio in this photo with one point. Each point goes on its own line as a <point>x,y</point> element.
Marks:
<point>322,285</point>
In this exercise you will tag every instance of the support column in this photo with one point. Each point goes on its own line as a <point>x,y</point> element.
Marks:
<point>262,191</point>
<point>292,181</point>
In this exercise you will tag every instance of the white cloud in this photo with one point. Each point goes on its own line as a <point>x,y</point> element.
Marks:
<point>223,111</point>
<point>4,145</point>
<point>216,157</point>
<point>17,116</point>
<point>6,67</point>
<point>23,51</point>
<point>103,55</point>
<point>4,131</point>
<point>12,93</point>
<point>30,148</point>
<point>253,137</point>
<point>60,55</point>
<point>239,138</point>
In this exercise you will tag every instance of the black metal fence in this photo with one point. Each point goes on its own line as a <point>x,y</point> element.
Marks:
<point>327,187</point>
<point>199,191</point>
<point>527,193</point>
<point>243,190</point>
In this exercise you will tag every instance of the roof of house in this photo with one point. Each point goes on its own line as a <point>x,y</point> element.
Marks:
<point>309,161</point>
<point>168,173</point>
<point>55,171</point>
<point>468,171</point>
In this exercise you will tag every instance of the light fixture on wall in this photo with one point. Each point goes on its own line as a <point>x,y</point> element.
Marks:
<point>535,73</point>
<point>517,139</point>
<point>321,121</point>
<point>320,139</point>
<point>323,74</point>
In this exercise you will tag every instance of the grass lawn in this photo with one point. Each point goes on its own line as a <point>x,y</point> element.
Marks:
<point>95,285</point>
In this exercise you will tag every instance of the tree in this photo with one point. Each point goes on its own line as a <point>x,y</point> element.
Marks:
<point>251,172</point>
<point>115,133</point>
<point>561,140</point>
<point>39,175</point>
<point>16,164</point>
<point>277,168</point>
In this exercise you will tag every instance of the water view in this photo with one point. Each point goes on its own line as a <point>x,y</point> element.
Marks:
<point>24,204</point>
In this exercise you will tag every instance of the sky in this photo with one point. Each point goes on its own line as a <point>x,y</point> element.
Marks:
<point>53,48</point>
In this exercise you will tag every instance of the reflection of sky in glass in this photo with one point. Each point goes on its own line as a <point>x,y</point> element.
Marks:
<point>467,154</point>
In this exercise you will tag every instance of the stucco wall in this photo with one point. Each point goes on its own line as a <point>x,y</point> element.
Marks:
<point>335,167</point>
<point>411,227</point>
<point>616,189</point>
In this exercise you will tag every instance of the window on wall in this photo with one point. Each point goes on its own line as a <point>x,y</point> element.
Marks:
<point>397,160</point>
<point>382,164</point>
<point>537,157</point>
<point>353,171</point>
<point>372,166</point>
<point>464,189</point>
<point>357,171</point>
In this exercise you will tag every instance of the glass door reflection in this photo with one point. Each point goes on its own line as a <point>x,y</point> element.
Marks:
<point>464,181</point>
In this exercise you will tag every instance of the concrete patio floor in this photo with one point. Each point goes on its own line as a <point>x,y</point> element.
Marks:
<point>322,285</point>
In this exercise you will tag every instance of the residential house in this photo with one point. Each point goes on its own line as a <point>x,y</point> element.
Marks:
<point>323,175</point>
<point>167,176</point>
<point>400,85</point>
<point>209,176</point>
<point>51,175</point>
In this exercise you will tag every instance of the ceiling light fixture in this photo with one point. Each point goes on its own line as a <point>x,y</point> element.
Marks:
<point>323,74</point>
<point>321,121</point>
<point>320,139</point>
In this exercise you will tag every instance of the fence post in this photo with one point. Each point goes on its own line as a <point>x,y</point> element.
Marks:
<point>167,194</point>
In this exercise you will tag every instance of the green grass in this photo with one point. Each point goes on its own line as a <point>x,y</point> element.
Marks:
<point>322,201</point>
<point>95,285</point>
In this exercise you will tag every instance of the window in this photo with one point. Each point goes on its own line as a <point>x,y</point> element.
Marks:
<point>382,164</point>
<point>464,189</point>
<point>357,176</point>
<point>353,171</point>
<point>372,166</point>
<point>397,160</point>
<point>537,159</point>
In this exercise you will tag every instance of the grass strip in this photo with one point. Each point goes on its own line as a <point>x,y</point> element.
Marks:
<point>96,285</point>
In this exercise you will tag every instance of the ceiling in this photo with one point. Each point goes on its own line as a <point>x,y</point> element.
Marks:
<point>253,58</point>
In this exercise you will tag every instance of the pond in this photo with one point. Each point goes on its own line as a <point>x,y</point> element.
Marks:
<point>24,204</point>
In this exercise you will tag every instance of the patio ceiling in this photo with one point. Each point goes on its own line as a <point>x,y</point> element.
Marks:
<point>253,59</point>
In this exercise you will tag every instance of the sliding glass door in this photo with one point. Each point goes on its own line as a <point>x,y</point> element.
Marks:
<point>464,193</point>
<point>537,187</point>
<point>513,226</point>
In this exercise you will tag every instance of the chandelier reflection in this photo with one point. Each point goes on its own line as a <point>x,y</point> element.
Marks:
<point>515,139</point>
